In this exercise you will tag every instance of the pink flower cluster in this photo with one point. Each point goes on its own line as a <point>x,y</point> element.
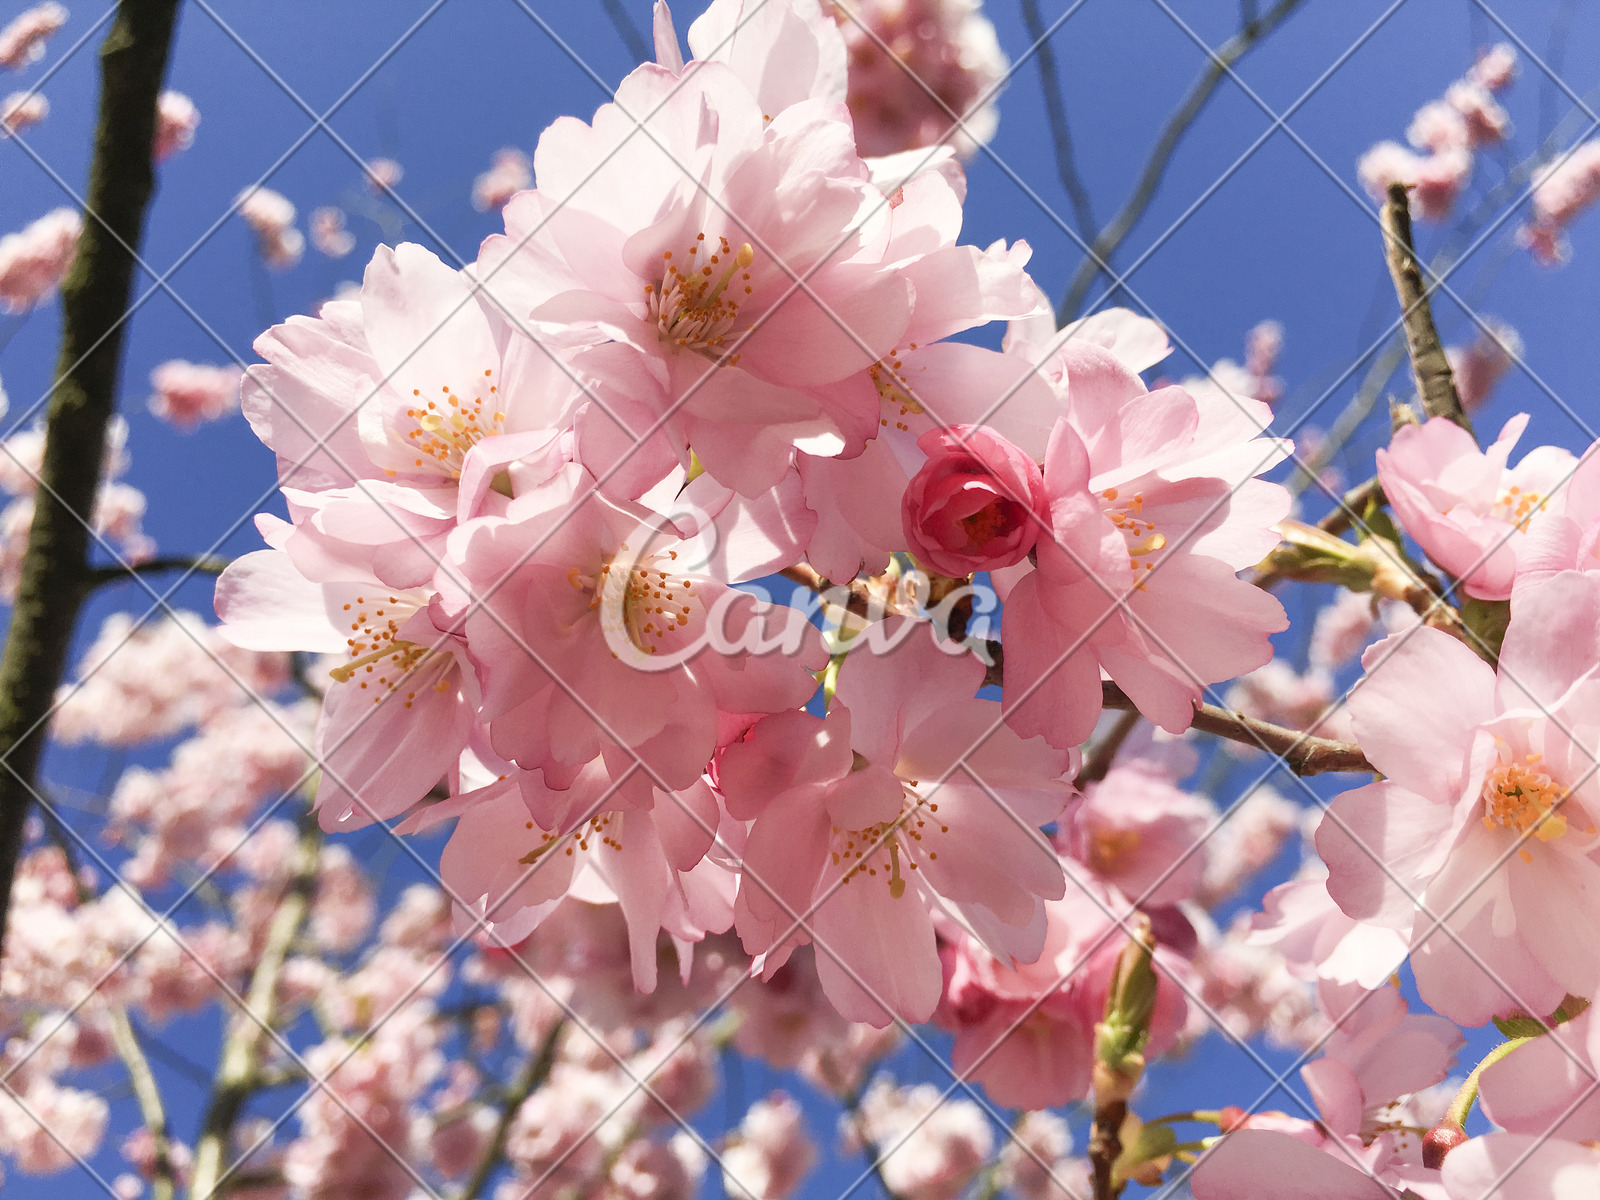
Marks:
<point>527,501</point>
<point>22,41</point>
<point>1562,191</point>
<point>922,73</point>
<point>510,171</point>
<point>1445,135</point>
<point>22,110</point>
<point>34,260</point>
<point>271,216</point>
<point>176,120</point>
<point>188,394</point>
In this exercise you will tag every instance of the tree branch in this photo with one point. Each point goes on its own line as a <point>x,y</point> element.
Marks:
<point>94,297</point>
<point>534,1072</point>
<point>1435,384</point>
<point>206,564</point>
<point>1144,191</point>
<point>163,1179</point>
<point>627,30</point>
<point>1302,753</point>
<point>238,1071</point>
<point>1056,111</point>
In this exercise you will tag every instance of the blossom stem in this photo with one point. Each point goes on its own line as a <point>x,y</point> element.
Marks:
<point>1461,1106</point>
<point>1144,191</point>
<point>532,1076</point>
<point>238,1071</point>
<point>163,1179</point>
<point>94,304</point>
<point>1435,383</point>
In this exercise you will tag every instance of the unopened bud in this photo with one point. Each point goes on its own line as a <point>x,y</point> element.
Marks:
<point>1119,1038</point>
<point>1439,1141</point>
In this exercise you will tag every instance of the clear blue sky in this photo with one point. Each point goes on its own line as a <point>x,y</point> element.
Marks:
<point>1276,238</point>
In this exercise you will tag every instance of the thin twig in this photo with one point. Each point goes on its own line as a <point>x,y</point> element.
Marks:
<point>238,1071</point>
<point>94,297</point>
<point>1302,753</point>
<point>163,1179</point>
<point>206,564</point>
<point>1099,759</point>
<point>1056,111</point>
<point>533,1075</point>
<point>627,30</point>
<point>1435,383</point>
<point>1144,191</point>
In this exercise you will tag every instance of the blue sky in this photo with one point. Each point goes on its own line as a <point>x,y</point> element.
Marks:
<point>1275,235</point>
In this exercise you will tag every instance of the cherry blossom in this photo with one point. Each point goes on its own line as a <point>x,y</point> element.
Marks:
<point>510,171</point>
<point>34,261</point>
<point>271,216</point>
<point>1466,508</point>
<point>176,120</point>
<point>188,394</point>
<point>851,844</point>
<point>22,41</point>
<point>22,110</point>
<point>1481,819</point>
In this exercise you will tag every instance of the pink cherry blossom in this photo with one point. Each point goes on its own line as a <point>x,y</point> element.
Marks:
<point>769,1153</point>
<point>1483,817</point>
<point>1026,1030</point>
<point>510,171</point>
<point>34,261</point>
<point>1435,180</point>
<point>1252,990</point>
<point>1034,1164</point>
<point>22,110</point>
<point>382,174</point>
<point>1136,831</point>
<point>404,675</point>
<point>1301,920</point>
<point>176,120</point>
<point>1561,193</point>
<point>853,817</point>
<point>401,412</point>
<point>187,393</point>
<point>938,1143</point>
<point>1139,481</point>
<point>601,628</point>
<point>328,233</point>
<point>1545,1085</point>
<point>918,68</point>
<point>1496,67</point>
<point>271,215</point>
<point>1465,507</point>
<point>975,505</point>
<point>22,41</point>
<point>1522,1166</point>
<point>1480,365</point>
<point>784,52</point>
<point>618,239</point>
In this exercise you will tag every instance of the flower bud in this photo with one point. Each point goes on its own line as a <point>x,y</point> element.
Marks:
<point>1439,1141</point>
<point>977,504</point>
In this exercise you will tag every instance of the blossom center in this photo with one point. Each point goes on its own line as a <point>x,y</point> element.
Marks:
<point>888,377</point>
<point>1137,530</point>
<point>986,524</point>
<point>694,306</point>
<point>1108,847</point>
<point>448,428</point>
<point>644,602</point>
<point>889,849</point>
<point>1520,797</point>
<point>375,650</point>
<point>1517,507</point>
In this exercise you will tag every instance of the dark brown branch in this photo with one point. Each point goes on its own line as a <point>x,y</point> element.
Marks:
<point>94,297</point>
<point>1144,191</point>
<point>206,564</point>
<point>532,1077</point>
<point>1056,112</point>
<point>1100,757</point>
<point>1302,753</point>
<point>1435,384</point>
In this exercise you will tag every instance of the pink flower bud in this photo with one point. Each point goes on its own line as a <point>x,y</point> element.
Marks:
<point>1439,1141</point>
<point>976,505</point>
